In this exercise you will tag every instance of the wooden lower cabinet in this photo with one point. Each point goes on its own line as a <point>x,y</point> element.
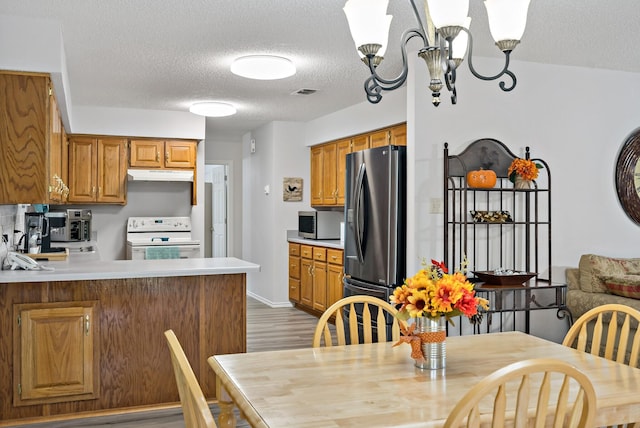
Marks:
<point>335,274</point>
<point>96,346</point>
<point>57,358</point>
<point>320,277</point>
<point>294,272</point>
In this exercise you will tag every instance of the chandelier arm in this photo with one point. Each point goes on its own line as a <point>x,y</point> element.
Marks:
<point>389,85</point>
<point>448,64</point>
<point>422,27</point>
<point>505,69</point>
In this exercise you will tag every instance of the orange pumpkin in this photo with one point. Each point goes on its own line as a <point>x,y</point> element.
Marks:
<point>482,178</point>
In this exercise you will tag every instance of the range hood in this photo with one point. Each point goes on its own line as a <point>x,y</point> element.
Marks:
<point>159,175</point>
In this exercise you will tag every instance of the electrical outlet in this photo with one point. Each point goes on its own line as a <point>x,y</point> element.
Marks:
<point>436,206</point>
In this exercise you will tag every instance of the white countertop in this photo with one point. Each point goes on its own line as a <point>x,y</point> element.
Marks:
<point>329,243</point>
<point>73,270</point>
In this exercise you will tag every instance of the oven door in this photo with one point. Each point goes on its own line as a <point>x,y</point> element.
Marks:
<point>160,252</point>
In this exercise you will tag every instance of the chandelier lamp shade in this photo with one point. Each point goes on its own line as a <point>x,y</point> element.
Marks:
<point>446,38</point>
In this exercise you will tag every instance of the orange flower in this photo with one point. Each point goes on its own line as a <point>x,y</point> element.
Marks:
<point>432,293</point>
<point>525,168</point>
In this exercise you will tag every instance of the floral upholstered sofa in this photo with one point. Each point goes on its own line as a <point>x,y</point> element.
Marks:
<point>600,280</point>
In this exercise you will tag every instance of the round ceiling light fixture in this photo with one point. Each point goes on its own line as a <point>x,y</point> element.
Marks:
<point>212,109</point>
<point>263,67</point>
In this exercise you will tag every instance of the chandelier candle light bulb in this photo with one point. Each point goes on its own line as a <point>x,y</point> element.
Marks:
<point>446,39</point>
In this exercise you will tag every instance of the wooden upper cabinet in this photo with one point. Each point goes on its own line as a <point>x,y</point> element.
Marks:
<point>82,164</point>
<point>328,162</point>
<point>58,355</point>
<point>56,187</point>
<point>111,176</point>
<point>329,180</point>
<point>380,138</point>
<point>148,153</point>
<point>343,147</point>
<point>180,154</point>
<point>28,121</point>
<point>398,135</point>
<point>317,175</point>
<point>97,169</point>
<point>360,142</point>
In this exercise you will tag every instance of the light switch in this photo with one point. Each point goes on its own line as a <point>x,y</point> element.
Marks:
<point>267,189</point>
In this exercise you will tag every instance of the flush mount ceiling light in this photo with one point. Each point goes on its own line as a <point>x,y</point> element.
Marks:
<point>212,109</point>
<point>263,67</point>
<point>446,39</point>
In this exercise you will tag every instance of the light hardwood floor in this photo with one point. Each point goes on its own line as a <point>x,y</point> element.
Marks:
<point>268,329</point>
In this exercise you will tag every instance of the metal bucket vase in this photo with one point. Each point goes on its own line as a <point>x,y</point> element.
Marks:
<point>521,183</point>
<point>432,333</point>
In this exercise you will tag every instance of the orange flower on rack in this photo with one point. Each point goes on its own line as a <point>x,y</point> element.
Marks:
<point>525,168</point>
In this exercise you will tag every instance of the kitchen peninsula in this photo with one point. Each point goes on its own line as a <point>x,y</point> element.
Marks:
<point>88,337</point>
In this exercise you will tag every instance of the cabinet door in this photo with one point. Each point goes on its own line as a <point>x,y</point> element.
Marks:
<point>334,283</point>
<point>319,286</point>
<point>180,154</point>
<point>343,147</point>
<point>111,170</point>
<point>147,153</point>
<point>294,267</point>
<point>58,358</point>
<point>294,290</point>
<point>306,282</point>
<point>329,163</point>
<point>317,176</point>
<point>361,142</point>
<point>23,116</point>
<point>55,150</point>
<point>379,139</point>
<point>82,167</point>
<point>399,135</point>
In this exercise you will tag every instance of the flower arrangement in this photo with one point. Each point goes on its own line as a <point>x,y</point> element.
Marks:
<point>433,292</point>
<point>525,168</point>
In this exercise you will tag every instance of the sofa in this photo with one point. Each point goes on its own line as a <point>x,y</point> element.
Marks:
<point>600,280</point>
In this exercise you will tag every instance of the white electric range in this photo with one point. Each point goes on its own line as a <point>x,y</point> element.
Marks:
<point>161,238</point>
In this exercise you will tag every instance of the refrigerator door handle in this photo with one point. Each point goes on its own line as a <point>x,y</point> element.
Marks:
<point>358,197</point>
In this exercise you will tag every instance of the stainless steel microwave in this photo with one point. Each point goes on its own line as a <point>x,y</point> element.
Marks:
<point>319,224</point>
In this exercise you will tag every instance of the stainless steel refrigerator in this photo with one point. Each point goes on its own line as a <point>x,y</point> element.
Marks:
<point>375,218</point>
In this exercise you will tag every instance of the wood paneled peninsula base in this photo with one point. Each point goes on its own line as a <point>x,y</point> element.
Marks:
<point>89,338</point>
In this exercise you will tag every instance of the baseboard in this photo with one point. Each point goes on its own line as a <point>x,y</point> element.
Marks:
<point>269,303</point>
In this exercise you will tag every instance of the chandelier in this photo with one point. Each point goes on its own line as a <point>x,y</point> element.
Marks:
<point>446,39</point>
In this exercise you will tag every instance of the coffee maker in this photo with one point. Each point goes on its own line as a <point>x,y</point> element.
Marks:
<point>37,239</point>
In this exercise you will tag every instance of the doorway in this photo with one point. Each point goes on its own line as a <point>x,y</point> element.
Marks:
<point>216,210</point>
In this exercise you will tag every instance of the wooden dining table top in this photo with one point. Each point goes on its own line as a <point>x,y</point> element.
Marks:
<point>377,385</point>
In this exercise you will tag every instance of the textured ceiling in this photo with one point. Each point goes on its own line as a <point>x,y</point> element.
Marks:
<point>166,54</point>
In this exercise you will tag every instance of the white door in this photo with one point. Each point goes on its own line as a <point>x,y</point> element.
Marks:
<point>219,210</point>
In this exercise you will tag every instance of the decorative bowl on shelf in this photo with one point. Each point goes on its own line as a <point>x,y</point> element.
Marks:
<point>491,216</point>
<point>492,277</point>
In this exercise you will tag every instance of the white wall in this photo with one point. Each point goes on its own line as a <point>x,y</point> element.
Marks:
<point>568,119</point>
<point>360,118</point>
<point>33,44</point>
<point>266,217</point>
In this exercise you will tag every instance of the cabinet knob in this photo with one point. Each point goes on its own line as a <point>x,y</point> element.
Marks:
<point>157,156</point>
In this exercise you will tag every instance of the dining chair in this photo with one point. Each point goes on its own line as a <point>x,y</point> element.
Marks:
<point>614,342</point>
<point>194,406</point>
<point>369,308</point>
<point>518,382</point>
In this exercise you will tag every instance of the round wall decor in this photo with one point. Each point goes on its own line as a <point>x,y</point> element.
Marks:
<point>628,176</point>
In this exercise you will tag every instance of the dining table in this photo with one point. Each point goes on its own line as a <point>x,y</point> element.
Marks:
<point>377,385</point>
